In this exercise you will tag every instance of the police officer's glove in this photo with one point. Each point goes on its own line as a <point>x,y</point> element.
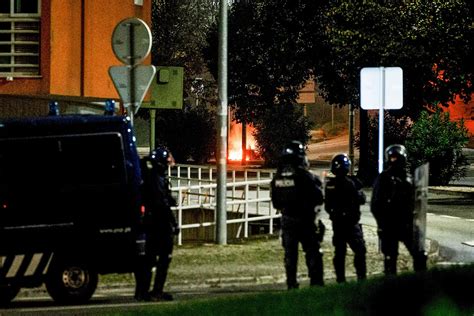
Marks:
<point>176,230</point>
<point>380,232</point>
<point>277,223</point>
<point>361,198</point>
<point>320,230</point>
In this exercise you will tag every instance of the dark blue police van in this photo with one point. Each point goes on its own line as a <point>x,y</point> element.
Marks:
<point>69,203</point>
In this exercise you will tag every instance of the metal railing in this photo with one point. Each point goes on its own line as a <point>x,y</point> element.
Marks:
<point>248,195</point>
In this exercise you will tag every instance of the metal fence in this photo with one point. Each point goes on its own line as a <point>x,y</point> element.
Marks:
<point>248,195</point>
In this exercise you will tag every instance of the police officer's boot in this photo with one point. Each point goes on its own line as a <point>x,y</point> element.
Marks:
<point>419,262</point>
<point>315,269</point>
<point>360,266</point>
<point>290,261</point>
<point>291,281</point>
<point>157,294</point>
<point>142,284</point>
<point>340,268</point>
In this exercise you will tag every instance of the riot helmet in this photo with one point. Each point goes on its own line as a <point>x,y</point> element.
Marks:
<point>396,156</point>
<point>294,154</point>
<point>340,165</point>
<point>161,158</point>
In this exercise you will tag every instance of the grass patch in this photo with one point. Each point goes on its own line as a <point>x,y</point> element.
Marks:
<point>436,292</point>
<point>211,264</point>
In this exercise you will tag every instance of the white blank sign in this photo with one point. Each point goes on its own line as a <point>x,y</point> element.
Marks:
<point>381,88</point>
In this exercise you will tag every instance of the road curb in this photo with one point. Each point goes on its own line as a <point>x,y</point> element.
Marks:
<point>459,191</point>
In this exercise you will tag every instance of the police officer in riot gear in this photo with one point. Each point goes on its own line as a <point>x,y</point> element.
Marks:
<point>343,197</point>
<point>159,225</point>
<point>393,208</point>
<point>295,191</point>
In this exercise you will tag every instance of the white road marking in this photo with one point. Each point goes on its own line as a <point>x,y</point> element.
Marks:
<point>448,216</point>
<point>468,243</point>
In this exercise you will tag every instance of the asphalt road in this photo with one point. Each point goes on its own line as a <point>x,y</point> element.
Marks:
<point>451,223</point>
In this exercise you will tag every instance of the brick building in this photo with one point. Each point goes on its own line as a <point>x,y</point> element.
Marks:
<point>60,50</point>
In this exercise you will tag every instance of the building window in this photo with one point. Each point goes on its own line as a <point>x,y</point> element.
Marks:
<point>20,38</point>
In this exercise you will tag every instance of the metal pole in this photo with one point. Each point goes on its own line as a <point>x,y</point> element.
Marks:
<point>152,128</point>
<point>244,143</point>
<point>221,206</point>
<point>351,136</point>
<point>132,105</point>
<point>381,117</point>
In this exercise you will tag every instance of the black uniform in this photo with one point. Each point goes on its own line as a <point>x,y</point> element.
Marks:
<point>159,226</point>
<point>343,197</point>
<point>393,208</point>
<point>296,192</point>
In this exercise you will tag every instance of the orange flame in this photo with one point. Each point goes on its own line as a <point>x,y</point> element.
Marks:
<point>235,142</point>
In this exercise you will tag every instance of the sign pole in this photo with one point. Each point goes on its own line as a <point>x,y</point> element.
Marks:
<point>381,89</point>
<point>381,117</point>
<point>152,128</point>
<point>131,44</point>
<point>132,71</point>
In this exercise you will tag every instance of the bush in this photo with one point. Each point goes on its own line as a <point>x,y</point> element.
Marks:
<point>432,138</point>
<point>277,127</point>
<point>439,141</point>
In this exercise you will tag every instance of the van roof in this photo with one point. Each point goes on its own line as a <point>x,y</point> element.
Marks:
<point>62,124</point>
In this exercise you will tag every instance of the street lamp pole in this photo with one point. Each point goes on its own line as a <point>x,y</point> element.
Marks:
<point>221,206</point>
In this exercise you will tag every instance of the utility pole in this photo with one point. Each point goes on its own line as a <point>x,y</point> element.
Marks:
<point>221,191</point>
<point>244,143</point>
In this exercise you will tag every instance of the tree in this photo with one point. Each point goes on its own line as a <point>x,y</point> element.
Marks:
<point>276,45</point>
<point>430,40</point>
<point>179,31</point>
<point>268,63</point>
<point>272,134</point>
<point>189,133</point>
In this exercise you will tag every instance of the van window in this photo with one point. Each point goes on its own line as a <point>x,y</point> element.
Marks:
<point>51,172</point>
<point>93,159</point>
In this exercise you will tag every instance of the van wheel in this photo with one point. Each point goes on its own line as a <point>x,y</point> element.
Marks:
<point>71,283</point>
<point>8,293</point>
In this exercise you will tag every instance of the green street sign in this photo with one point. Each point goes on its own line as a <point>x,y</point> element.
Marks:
<point>166,89</point>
